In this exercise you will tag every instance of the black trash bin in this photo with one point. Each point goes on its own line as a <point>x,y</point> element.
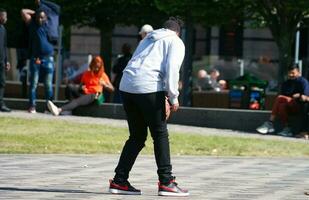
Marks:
<point>247,92</point>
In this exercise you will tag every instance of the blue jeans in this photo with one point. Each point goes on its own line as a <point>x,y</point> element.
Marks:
<point>47,67</point>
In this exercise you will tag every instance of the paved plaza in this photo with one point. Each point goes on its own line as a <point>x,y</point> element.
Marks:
<point>86,177</point>
<point>68,177</point>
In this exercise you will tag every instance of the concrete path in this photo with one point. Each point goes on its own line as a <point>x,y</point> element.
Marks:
<point>68,177</point>
<point>60,177</point>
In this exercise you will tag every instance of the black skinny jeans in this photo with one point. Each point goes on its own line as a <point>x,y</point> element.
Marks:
<point>2,82</point>
<point>145,110</point>
<point>304,116</point>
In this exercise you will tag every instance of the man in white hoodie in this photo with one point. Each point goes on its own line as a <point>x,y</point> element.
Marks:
<point>150,76</point>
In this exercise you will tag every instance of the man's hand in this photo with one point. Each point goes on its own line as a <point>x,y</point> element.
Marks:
<point>102,82</point>
<point>295,96</point>
<point>170,108</point>
<point>304,98</point>
<point>7,66</point>
<point>174,107</point>
<point>167,109</point>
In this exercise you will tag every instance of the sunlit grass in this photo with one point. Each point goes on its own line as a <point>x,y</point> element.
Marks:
<point>19,135</point>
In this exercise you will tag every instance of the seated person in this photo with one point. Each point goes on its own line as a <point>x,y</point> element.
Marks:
<point>292,93</point>
<point>203,80</point>
<point>209,82</point>
<point>223,85</point>
<point>93,82</point>
<point>214,83</point>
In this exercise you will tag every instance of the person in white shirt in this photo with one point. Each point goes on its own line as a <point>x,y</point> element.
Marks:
<point>150,78</point>
<point>145,30</point>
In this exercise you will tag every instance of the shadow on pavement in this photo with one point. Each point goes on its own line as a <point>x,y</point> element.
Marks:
<point>49,190</point>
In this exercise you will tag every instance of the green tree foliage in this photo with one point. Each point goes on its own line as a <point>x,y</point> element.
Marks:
<point>280,16</point>
<point>15,24</point>
<point>100,14</point>
<point>105,14</point>
<point>207,13</point>
<point>108,13</point>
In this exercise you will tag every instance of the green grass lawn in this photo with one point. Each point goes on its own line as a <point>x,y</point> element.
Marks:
<point>19,135</point>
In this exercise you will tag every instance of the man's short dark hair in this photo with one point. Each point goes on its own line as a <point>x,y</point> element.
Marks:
<point>39,10</point>
<point>293,66</point>
<point>173,24</point>
<point>2,10</point>
<point>213,70</point>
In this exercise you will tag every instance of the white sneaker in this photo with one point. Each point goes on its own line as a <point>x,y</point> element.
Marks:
<point>53,108</point>
<point>266,127</point>
<point>286,132</point>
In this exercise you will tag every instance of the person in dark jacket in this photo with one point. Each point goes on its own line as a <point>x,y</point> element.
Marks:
<point>52,12</point>
<point>4,64</point>
<point>121,63</point>
<point>41,50</point>
<point>22,56</point>
<point>293,92</point>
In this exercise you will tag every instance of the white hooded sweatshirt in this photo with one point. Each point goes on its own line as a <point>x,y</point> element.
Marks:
<point>155,65</point>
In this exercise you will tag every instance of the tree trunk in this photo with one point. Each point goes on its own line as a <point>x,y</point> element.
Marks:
<point>285,46</point>
<point>106,48</point>
<point>106,53</point>
<point>285,58</point>
<point>284,39</point>
<point>187,66</point>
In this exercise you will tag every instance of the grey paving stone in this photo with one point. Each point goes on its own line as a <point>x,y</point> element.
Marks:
<point>86,177</point>
<point>215,178</point>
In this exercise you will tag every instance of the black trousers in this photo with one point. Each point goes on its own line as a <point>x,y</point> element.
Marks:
<point>145,110</point>
<point>2,82</point>
<point>304,116</point>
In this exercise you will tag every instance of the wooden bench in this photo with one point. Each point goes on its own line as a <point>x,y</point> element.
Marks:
<point>212,99</point>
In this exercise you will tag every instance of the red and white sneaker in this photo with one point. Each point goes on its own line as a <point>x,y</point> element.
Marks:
<point>171,189</point>
<point>122,188</point>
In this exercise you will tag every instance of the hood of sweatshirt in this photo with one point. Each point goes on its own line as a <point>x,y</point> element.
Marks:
<point>159,34</point>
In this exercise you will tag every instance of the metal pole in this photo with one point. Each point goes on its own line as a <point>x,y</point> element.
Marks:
<point>89,58</point>
<point>59,64</point>
<point>241,66</point>
<point>300,65</point>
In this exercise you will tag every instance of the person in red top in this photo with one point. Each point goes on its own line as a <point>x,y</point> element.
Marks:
<point>93,82</point>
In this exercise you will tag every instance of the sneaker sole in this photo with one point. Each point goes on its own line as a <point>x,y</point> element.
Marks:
<point>266,131</point>
<point>173,194</point>
<point>285,135</point>
<point>116,191</point>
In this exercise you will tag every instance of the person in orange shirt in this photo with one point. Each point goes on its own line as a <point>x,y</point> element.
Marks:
<point>93,82</point>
